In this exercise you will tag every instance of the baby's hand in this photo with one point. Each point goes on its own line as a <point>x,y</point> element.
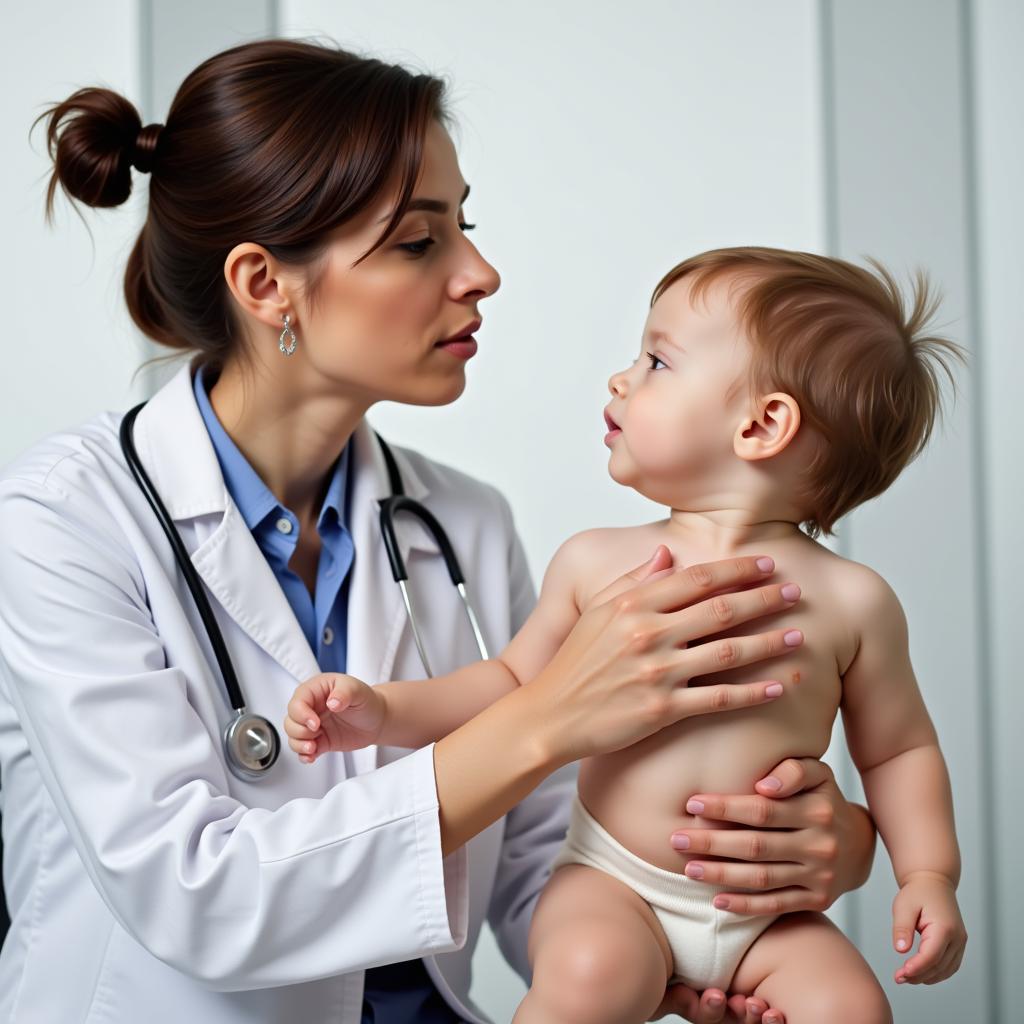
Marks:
<point>332,711</point>
<point>927,903</point>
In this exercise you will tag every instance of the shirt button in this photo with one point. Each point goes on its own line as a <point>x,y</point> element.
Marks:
<point>328,635</point>
<point>284,525</point>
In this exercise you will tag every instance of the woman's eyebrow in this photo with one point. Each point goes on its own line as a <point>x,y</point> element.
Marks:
<point>430,205</point>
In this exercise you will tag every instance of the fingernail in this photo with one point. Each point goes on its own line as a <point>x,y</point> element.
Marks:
<point>901,944</point>
<point>770,783</point>
<point>790,591</point>
<point>773,690</point>
<point>694,871</point>
<point>311,722</point>
<point>721,903</point>
<point>333,703</point>
<point>695,806</point>
<point>680,842</point>
<point>765,564</point>
<point>793,638</point>
<point>715,1001</point>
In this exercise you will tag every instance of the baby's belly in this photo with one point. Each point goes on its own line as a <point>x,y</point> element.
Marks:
<point>639,794</point>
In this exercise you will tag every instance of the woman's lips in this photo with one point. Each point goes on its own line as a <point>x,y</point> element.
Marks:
<point>463,345</point>
<point>613,429</point>
<point>463,348</point>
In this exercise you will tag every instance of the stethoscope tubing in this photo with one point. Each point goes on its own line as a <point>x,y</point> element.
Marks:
<point>255,730</point>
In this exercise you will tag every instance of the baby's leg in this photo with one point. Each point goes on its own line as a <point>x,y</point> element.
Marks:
<point>806,967</point>
<point>598,953</point>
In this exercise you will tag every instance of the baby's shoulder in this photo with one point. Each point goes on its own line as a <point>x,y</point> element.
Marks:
<point>861,590</point>
<point>591,559</point>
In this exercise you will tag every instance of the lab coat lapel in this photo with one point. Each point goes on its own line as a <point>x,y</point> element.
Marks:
<point>178,454</point>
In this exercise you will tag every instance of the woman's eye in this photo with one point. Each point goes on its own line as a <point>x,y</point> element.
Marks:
<point>655,361</point>
<point>419,247</point>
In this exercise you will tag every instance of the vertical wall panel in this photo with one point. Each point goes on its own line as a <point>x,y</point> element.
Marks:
<point>996,37</point>
<point>902,193</point>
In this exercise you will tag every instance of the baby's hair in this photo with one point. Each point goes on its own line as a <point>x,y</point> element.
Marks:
<point>839,340</point>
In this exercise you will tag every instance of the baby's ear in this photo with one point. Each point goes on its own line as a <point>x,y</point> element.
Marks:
<point>772,426</point>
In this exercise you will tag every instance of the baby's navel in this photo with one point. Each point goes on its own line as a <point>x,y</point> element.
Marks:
<point>796,677</point>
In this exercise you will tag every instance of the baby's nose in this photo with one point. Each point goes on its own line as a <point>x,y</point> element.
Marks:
<point>617,384</point>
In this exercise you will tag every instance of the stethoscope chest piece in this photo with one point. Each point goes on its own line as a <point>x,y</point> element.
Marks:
<point>252,745</point>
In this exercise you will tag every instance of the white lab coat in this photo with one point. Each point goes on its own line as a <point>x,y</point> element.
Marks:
<point>146,883</point>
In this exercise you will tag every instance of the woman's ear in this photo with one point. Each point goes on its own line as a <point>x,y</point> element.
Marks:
<point>253,277</point>
<point>774,423</point>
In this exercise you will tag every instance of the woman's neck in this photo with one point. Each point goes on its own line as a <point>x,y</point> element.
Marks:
<point>290,439</point>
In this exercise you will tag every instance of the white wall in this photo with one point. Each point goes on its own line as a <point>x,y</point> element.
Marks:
<point>68,349</point>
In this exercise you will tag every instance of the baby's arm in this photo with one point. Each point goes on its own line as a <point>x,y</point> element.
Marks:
<point>895,747</point>
<point>415,712</point>
<point>422,711</point>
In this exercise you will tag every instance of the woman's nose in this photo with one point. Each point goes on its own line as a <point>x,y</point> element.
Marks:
<point>478,277</point>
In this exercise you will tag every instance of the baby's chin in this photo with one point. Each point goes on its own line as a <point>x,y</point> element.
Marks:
<point>662,492</point>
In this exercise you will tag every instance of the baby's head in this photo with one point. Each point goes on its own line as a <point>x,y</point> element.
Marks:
<point>791,384</point>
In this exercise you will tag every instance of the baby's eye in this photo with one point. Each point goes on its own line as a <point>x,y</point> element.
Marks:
<point>655,361</point>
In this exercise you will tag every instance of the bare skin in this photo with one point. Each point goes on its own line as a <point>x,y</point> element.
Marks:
<point>598,952</point>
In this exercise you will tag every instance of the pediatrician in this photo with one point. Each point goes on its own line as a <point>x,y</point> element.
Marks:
<point>305,242</point>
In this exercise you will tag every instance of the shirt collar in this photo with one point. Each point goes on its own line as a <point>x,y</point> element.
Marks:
<point>254,499</point>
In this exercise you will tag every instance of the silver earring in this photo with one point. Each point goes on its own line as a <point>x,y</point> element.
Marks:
<point>280,341</point>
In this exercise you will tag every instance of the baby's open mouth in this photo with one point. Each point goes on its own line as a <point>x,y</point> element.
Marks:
<point>609,422</point>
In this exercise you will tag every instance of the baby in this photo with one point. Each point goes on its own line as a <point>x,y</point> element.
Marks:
<point>774,391</point>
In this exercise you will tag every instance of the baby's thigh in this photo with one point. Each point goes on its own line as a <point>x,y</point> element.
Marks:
<point>807,968</point>
<point>596,949</point>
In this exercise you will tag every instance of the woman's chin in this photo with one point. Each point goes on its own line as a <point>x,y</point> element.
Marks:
<point>436,392</point>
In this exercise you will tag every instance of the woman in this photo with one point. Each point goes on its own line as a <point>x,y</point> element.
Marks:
<point>305,240</point>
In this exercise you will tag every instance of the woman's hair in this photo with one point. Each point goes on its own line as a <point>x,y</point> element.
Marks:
<point>275,142</point>
<point>864,370</point>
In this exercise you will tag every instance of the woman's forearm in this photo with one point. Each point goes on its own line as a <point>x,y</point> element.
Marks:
<point>486,766</point>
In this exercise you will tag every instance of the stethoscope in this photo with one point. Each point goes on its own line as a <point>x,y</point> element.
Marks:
<point>251,742</point>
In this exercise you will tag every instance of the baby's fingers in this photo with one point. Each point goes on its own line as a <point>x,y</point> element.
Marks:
<point>932,949</point>
<point>306,749</point>
<point>301,712</point>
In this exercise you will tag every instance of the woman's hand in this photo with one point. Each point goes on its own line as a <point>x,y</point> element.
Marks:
<point>804,850</point>
<point>622,672</point>
<point>712,1006</point>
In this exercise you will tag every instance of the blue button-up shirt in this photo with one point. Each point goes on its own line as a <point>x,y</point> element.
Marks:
<point>399,993</point>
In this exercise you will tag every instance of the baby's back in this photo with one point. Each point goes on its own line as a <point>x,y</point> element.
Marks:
<point>639,794</point>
